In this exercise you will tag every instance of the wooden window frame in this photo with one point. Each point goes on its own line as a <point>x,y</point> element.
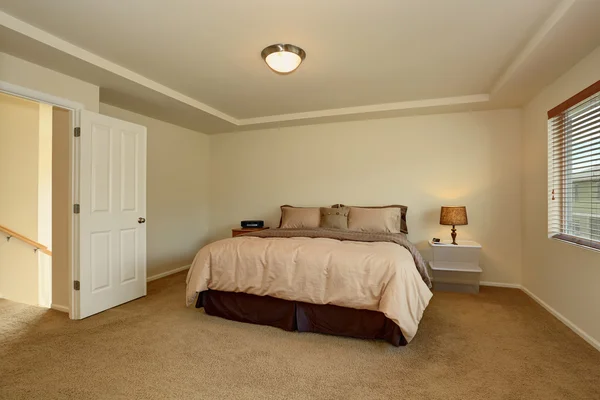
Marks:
<point>554,112</point>
<point>578,98</point>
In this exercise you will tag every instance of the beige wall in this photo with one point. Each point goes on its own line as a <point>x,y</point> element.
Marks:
<point>19,123</point>
<point>61,134</point>
<point>177,191</point>
<point>44,203</point>
<point>424,162</point>
<point>564,276</point>
<point>32,76</point>
<point>44,231</point>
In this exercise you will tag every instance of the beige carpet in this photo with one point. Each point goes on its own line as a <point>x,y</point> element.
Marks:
<point>495,345</point>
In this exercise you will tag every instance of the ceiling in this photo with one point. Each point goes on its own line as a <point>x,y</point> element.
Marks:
<point>197,63</point>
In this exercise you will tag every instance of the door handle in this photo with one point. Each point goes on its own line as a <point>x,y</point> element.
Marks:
<point>141,220</point>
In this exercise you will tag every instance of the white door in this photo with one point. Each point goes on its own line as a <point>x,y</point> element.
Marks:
<point>112,212</point>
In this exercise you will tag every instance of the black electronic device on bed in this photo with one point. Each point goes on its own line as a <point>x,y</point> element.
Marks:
<point>253,224</point>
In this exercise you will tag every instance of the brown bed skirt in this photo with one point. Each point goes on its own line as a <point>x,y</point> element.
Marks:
<point>302,317</point>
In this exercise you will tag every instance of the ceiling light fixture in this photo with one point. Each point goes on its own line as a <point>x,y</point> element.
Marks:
<point>283,58</point>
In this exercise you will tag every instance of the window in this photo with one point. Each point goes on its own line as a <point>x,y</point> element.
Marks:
<point>574,169</point>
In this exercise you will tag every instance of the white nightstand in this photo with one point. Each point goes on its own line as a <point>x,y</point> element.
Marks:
<point>456,267</point>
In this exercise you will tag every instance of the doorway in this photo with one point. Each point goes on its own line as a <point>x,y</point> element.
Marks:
<point>104,171</point>
<point>34,170</point>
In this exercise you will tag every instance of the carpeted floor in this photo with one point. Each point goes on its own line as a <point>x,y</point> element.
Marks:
<point>496,345</point>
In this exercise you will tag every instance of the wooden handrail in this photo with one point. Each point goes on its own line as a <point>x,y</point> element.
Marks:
<point>13,234</point>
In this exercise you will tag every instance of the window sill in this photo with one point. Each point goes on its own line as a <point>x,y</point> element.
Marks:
<point>578,242</point>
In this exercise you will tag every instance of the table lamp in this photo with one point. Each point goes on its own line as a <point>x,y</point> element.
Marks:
<point>453,215</point>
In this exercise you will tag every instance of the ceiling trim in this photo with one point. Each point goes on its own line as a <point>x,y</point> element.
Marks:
<point>559,12</point>
<point>44,37</point>
<point>403,105</point>
<point>511,71</point>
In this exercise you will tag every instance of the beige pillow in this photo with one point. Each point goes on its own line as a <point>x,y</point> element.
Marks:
<point>300,217</point>
<point>403,211</point>
<point>374,219</point>
<point>334,218</point>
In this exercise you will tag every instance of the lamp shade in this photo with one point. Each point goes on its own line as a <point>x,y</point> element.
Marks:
<point>453,215</point>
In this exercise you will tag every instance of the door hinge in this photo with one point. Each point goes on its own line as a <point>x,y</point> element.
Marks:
<point>76,208</point>
<point>76,285</point>
<point>77,132</point>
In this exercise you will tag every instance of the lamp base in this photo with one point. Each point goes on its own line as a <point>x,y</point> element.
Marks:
<point>453,234</point>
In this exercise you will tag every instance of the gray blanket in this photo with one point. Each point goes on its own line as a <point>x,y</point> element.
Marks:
<point>398,238</point>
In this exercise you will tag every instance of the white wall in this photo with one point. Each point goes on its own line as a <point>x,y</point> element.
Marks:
<point>19,127</point>
<point>564,276</point>
<point>423,162</point>
<point>177,191</point>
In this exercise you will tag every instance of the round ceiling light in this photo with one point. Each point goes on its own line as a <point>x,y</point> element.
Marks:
<point>283,58</point>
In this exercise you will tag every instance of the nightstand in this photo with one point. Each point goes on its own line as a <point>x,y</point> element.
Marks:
<point>456,267</point>
<point>238,231</point>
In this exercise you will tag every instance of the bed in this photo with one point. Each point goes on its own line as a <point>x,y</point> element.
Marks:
<point>341,282</point>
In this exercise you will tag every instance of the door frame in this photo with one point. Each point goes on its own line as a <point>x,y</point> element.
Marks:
<point>74,151</point>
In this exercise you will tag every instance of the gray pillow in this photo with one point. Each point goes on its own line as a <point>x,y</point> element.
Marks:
<point>334,218</point>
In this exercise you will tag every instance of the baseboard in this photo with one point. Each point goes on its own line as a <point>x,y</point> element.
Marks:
<point>167,273</point>
<point>595,343</point>
<point>564,320</point>
<point>60,308</point>
<point>151,278</point>
<point>501,284</point>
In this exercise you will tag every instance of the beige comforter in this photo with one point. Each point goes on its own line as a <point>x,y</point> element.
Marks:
<point>380,276</point>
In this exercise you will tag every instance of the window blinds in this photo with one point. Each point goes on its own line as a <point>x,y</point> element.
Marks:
<point>574,169</point>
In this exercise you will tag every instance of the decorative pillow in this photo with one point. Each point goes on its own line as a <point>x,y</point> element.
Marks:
<point>403,211</point>
<point>299,217</point>
<point>374,219</point>
<point>334,218</point>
